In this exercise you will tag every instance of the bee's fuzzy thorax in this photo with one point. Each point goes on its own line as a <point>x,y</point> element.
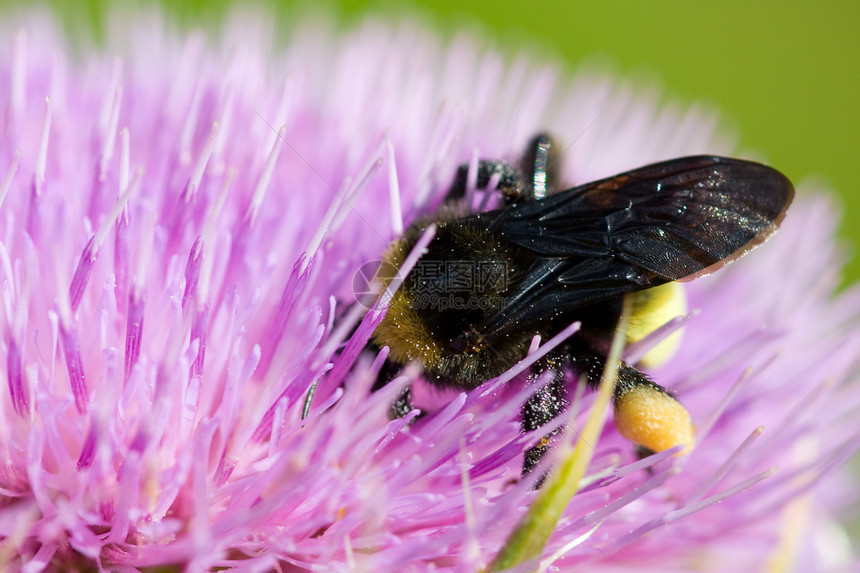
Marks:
<point>417,327</point>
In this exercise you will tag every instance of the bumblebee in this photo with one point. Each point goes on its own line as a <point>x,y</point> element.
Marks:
<point>490,282</point>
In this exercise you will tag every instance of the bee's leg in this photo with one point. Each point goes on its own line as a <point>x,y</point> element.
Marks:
<point>535,178</point>
<point>649,415</point>
<point>645,413</point>
<point>540,164</point>
<point>550,401</point>
<point>403,403</point>
<point>511,182</point>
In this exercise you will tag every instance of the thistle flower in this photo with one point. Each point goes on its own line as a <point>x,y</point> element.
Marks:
<point>182,224</point>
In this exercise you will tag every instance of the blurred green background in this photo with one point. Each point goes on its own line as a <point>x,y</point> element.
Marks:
<point>785,75</point>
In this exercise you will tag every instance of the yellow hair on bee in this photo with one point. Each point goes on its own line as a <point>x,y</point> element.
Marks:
<point>651,418</point>
<point>652,308</point>
<point>402,329</point>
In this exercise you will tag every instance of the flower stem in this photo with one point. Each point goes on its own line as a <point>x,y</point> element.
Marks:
<point>528,539</point>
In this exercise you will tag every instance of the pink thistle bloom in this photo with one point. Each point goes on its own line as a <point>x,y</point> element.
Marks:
<point>181,225</point>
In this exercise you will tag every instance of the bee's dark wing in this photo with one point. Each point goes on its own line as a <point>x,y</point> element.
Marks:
<point>675,220</point>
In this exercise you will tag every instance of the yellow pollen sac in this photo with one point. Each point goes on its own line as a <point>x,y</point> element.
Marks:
<point>652,308</point>
<point>653,419</point>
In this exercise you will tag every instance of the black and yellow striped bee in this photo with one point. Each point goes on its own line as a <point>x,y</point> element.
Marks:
<point>490,282</point>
